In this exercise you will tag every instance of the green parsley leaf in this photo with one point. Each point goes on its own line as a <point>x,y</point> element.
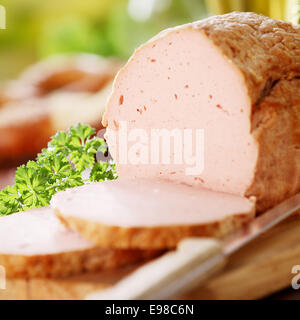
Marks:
<point>103,171</point>
<point>58,167</point>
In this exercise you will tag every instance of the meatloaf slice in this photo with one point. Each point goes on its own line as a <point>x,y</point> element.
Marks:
<point>36,244</point>
<point>226,75</point>
<point>146,214</point>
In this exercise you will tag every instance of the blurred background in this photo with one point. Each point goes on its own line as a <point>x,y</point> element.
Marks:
<point>37,29</point>
<point>39,98</point>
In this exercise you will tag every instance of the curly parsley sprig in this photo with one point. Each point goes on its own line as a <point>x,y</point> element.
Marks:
<point>60,166</point>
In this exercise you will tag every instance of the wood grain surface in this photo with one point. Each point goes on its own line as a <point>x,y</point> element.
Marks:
<point>258,270</point>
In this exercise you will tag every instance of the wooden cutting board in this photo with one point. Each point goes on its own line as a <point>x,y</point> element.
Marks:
<point>261,268</point>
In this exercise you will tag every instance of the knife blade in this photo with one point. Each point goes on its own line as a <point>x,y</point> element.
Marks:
<point>261,224</point>
<point>194,261</point>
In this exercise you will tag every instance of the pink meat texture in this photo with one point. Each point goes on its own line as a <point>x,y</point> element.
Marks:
<point>35,244</point>
<point>236,77</point>
<point>149,214</point>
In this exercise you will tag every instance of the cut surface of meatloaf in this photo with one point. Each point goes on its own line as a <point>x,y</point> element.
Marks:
<point>235,77</point>
<point>36,244</point>
<point>149,214</point>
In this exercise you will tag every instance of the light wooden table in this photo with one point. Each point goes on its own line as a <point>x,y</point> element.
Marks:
<point>257,271</point>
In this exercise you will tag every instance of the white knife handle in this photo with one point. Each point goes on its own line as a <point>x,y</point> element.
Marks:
<point>170,276</point>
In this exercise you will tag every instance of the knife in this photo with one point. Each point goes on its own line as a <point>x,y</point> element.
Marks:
<point>193,262</point>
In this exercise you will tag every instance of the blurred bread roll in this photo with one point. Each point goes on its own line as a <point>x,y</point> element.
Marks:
<point>52,95</point>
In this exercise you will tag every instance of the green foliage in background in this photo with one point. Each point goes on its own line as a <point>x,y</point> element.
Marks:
<point>73,34</point>
<point>115,34</point>
<point>36,29</point>
<point>125,34</point>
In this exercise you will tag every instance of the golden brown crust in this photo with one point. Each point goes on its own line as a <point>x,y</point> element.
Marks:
<point>79,72</point>
<point>150,237</point>
<point>40,247</point>
<point>264,49</point>
<point>22,140</point>
<point>276,126</point>
<point>75,80</point>
<point>267,52</point>
<point>71,263</point>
